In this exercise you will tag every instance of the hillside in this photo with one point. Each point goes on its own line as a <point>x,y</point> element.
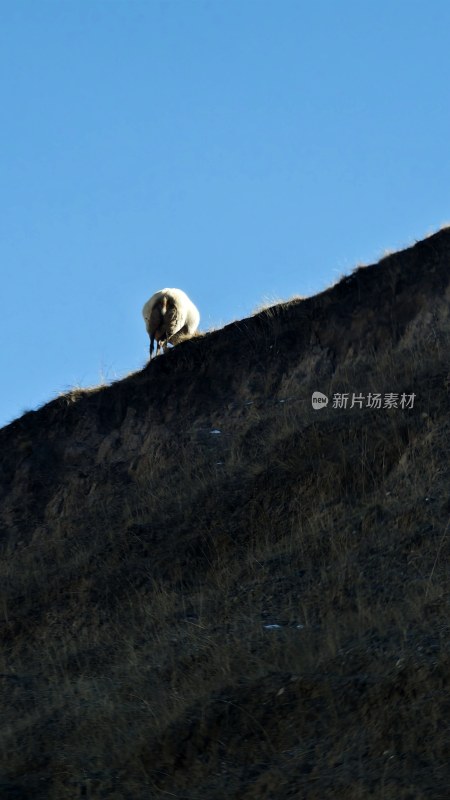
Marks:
<point>210,590</point>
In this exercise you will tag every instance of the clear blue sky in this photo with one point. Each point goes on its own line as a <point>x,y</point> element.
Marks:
<point>237,149</point>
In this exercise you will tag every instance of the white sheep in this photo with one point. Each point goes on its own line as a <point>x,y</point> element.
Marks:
<point>169,317</point>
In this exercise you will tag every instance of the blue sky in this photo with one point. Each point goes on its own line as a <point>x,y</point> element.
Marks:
<point>241,150</point>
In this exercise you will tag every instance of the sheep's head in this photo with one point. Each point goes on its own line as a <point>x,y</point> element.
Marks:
<point>166,304</point>
<point>171,316</point>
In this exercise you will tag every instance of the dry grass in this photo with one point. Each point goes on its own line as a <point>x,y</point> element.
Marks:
<point>269,301</point>
<point>141,660</point>
<point>256,614</point>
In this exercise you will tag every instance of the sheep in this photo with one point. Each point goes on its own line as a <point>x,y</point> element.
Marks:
<point>169,317</point>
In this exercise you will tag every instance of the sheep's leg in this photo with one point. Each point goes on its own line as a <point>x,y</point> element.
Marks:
<point>152,344</point>
<point>179,336</point>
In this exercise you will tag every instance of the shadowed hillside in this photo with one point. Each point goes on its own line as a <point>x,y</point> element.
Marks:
<point>212,591</point>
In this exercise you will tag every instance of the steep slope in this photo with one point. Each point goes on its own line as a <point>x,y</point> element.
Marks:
<point>212,590</point>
